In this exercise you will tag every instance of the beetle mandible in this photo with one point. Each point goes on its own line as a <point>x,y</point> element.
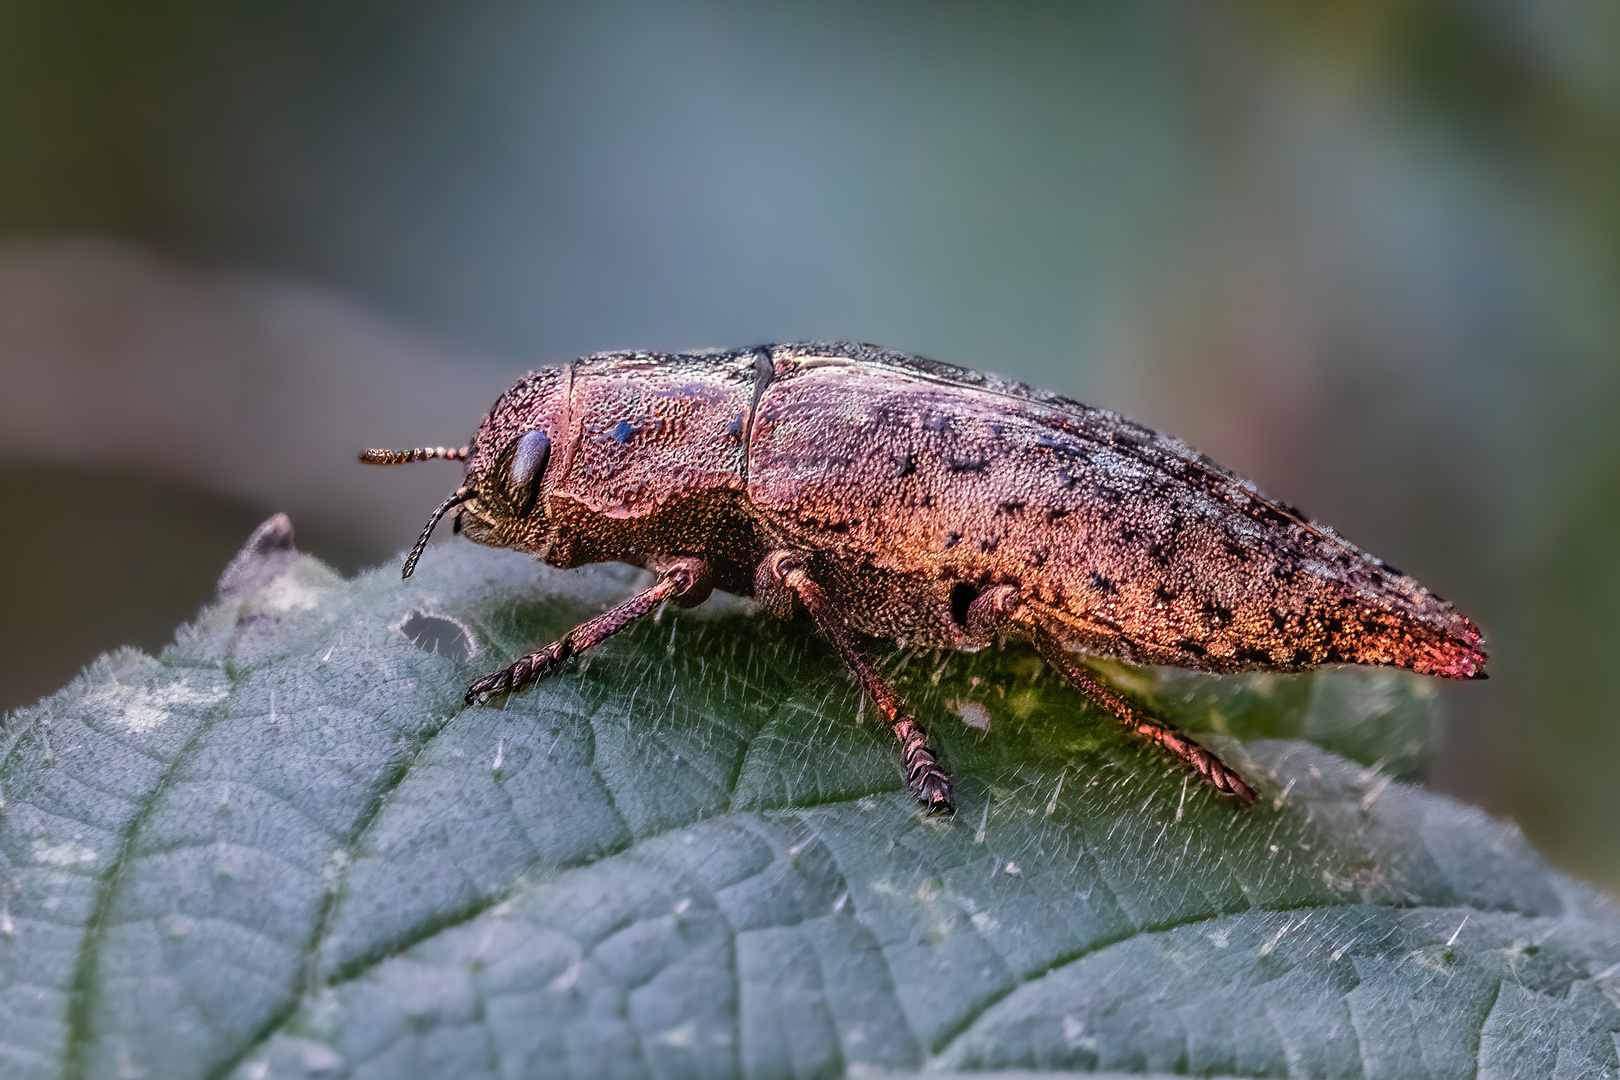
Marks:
<point>898,498</point>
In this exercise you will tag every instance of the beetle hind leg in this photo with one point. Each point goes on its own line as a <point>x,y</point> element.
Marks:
<point>924,776</point>
<point>998,610</point>
<point>1206,762</point>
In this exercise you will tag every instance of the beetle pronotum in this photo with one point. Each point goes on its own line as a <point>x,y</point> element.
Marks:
<point>898,498</point>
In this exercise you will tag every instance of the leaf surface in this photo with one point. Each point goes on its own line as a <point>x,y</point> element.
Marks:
<point>284,848</point>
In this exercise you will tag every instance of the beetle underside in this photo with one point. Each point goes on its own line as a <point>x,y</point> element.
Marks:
<point>782,579</point>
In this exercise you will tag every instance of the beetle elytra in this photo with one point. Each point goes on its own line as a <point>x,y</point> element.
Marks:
<point>902,499</point>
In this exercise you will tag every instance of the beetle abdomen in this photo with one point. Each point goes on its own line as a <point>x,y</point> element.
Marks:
<point>1127,542</point>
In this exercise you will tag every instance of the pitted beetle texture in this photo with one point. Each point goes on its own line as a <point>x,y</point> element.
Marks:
<point>898,498</point>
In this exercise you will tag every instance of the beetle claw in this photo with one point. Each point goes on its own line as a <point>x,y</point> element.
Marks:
<point>933,790</point>
<point>481,691</point>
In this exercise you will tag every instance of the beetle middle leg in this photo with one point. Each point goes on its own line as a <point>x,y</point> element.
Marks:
<point>999,610</point>
<point>923,773</point>
<point>686,581</point>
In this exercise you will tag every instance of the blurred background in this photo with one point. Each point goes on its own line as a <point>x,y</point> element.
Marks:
<point>1366,253</point>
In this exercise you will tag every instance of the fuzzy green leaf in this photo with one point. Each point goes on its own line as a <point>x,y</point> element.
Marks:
<point>284,848</point>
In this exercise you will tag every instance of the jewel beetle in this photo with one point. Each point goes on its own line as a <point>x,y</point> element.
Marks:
<point>897,498</point>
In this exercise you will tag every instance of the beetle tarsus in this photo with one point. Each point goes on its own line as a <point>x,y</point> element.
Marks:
<point>924,776</point>
<point>532,668</point>
<point>680,579</point>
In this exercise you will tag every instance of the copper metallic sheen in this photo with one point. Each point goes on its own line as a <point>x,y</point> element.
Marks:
<point>908,500</point>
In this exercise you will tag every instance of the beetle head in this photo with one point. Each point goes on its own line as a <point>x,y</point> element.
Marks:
<point>510,468</point>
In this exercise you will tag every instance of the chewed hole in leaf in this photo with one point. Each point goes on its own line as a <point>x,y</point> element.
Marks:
<point>439,635</point>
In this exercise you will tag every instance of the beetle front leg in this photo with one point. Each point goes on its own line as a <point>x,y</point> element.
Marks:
<point>685,581</point>
<point>923,773</point>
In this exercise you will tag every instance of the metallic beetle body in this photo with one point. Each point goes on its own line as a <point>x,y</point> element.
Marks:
<point>915,487</point>
<point>899,498</point>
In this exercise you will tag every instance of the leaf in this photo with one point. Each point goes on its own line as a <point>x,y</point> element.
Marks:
<point>284,848</point>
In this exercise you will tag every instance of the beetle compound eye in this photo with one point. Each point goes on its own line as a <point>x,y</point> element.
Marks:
<point>529,456</point>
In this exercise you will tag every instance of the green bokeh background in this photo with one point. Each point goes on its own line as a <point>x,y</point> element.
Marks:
<point>1368,254</point>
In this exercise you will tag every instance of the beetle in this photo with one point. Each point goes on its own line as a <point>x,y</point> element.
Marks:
<point>899,498</point>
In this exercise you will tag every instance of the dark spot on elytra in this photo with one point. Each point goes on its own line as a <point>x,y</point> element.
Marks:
<point>1191,646</point>
<point>1302,657</point>
<point>952,539</point>
<point>977,464</point>
<point>1164,593</point>
<point>1110,494</point>
<point>1010,506</point>
<point>736,425</point>
<point>926,501</point>
<point>990,544</point>
<point>1236,550</point>
<point>1039,558</point>
<point>904,463</point>
<point>837,526</point>
<point>1103,584</point>
<point>1219,614</point>
<point>622,431</point>
<point>1248,654</point>
<point>1056,514</point>
<point>1158,552</point>
<point>962,596</point>
<point>1279,621</point>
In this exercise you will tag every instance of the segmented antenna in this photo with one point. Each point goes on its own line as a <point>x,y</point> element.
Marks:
<point>460,495</point>
<point>421,453</point>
